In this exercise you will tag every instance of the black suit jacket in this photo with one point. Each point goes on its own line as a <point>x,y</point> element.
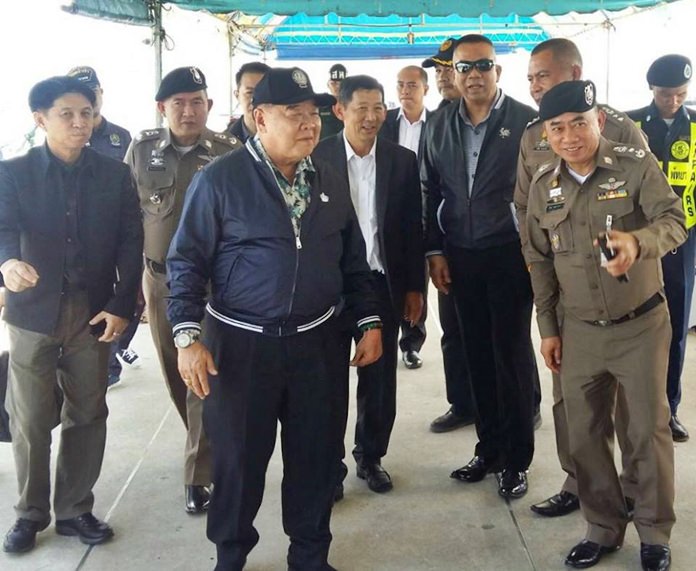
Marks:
<point>33,229</point>
<point>390,128</point>
<point>398,202</point>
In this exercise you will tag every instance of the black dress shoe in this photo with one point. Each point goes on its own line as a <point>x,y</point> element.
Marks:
<point>512,484</point>
<point>655,557</point>
<point>22,535</point>
<point>450,421</point>
<point>412,359</point>
<point>679,431</point>
<point>588,553</point>
<point>378,479</point>
<point>197,499</point>
<point>475,470</point>
<point>557,505</point>
<point>87,527</point>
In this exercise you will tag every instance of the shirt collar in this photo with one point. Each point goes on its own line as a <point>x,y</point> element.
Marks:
<point>653,113</point>
<point>305,165</point>
<point>497,102</point>
<point>350,153</point>
<point>420,119</point>
<point>205,140</point>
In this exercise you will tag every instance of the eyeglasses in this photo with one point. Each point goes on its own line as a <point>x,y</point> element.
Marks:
<point>481,65</point>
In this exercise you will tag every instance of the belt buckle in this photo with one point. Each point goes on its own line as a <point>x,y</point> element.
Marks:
<point>603,322</point>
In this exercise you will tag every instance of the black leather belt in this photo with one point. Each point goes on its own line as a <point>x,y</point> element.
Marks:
<point>653,302</point>
<point>156,266</point>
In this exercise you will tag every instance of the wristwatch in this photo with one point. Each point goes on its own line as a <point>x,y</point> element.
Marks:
<point>186,338</point>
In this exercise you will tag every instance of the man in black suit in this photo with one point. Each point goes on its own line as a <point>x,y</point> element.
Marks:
<point>383,180</point>
<point>71,242</point>
<point>405,126</point>
<point>246,79</point>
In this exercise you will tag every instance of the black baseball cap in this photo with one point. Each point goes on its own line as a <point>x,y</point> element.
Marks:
<point>337,72</point>
<point>86,75</point>
<point>285,86</point>
<point>443,56</point>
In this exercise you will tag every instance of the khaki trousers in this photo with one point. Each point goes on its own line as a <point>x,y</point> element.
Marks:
<point>77,362</point>
<point>595,359</point>
<point>197,469</point>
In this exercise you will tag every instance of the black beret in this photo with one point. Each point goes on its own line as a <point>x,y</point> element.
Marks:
<point>181,80</point>
<point>671,70</point>
<point>337,71</point>
<point>86,75</point>
<point>568,97</point>
<point>285,86</point>
<point>443,56</point>
<point>44,94</point>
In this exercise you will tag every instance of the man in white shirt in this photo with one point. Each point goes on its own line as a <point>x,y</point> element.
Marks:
<point>385,189</point>
<point>404,126</point>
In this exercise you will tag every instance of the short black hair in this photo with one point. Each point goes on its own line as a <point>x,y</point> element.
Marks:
<point>420,70</point>
<point>352,83</point>
<point>251,67</point>
<point>473,39</point>
<point>44,94</point>
<point>563,50</point>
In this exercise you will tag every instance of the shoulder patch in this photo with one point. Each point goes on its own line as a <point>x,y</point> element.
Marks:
<point>148,135</point>
<point>629,151</point>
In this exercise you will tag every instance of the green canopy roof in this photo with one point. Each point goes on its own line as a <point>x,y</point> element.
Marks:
<point>139,11</point>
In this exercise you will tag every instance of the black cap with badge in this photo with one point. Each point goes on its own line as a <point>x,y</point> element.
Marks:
<point>568,97</point>
<point>181,80</point>
<point>286,86</point>
<point>443,56</point>
<point>85,75</point>
<point>672,70</point>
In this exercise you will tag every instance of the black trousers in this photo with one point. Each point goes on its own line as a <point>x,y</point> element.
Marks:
<point>263,380</point>
<point>376,393</point>
<point>413,336</point>
<point>454,361</point>
<point>493,295</point>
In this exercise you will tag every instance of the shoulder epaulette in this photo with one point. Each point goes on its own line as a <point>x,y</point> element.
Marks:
<point>533,122</point>
<point>630,151</point>
<point>613,113</point>
<point>545,167</point>
<point>149,135</point>
<point>225,138</point>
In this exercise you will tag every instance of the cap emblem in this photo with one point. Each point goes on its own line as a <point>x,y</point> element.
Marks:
<point>687,71</point>
<point>196,75</point>
<point>589,94</point>
<point>300,78</point>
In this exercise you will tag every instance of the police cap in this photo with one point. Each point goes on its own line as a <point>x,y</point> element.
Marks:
<point>86,75</point>
<point>285,86</point>
<point>671,70</point>
<point>443,56</point>
<point>337,72</point>
<point>181,80</point>
<point>44,94</point>
<point>568,97</point>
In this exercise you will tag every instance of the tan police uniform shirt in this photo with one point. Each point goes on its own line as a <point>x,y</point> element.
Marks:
<point>162,177</point>
<point>564,218</point>
<point>535,151</point>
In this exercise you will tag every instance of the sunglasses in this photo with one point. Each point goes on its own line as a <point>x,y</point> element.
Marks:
<point>481,65</point>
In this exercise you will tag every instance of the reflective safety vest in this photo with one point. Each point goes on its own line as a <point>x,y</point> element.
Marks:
<point>680,170</point>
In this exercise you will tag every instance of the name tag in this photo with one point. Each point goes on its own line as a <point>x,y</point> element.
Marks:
<point>555,206</point>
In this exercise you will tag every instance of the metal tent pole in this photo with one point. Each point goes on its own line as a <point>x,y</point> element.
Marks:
<point>157,37</point>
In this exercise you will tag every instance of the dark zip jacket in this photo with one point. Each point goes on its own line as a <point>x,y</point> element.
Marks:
<point>484,219</point>
<point>235,232</point>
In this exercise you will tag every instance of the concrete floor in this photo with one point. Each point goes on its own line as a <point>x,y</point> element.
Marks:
<point>428,522</point>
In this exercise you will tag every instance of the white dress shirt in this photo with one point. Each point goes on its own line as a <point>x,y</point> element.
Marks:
<point>362,177</point>
<point>409,133</point>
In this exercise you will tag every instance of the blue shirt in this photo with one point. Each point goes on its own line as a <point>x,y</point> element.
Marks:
<point>110,140</point>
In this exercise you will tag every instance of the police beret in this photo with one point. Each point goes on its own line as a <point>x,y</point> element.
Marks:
<point>443,56</point>
<point>181,80</point>
<point>285,86</point>
<point>86,75</point>
<point>337,71</point>
<point>568,97</point>
<point>671,70</point>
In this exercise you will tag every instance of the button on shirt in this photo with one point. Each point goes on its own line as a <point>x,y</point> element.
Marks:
<point>362,177</point>
<point>409,133</point>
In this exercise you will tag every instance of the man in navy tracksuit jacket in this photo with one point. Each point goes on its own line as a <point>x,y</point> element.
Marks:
<point>275,235</point>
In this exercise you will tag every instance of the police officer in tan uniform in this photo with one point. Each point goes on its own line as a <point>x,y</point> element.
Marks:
<point>163,162</point>
<point>615,329</point>
<point>552,62</point>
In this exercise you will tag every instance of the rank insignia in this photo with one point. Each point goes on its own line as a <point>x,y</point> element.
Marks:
<point>206,158</point>
<point>555,241</point>
<point>608,160</point>
<point>156,162</point>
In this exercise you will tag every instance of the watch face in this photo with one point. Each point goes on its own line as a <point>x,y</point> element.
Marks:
<point>183,340</point>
